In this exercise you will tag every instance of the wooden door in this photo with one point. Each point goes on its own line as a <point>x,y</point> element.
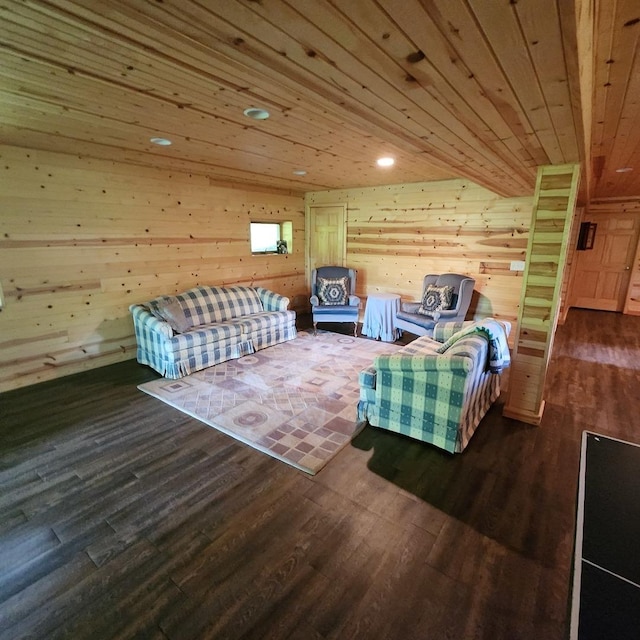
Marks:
<point>602,274</point>
<point>326,237</point>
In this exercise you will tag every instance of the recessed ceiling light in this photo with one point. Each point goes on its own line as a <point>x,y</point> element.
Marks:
<point>163,142</point>
<point>256,114</point>
<point>385,162</point>
<point>624,170</point>
<point>299,172</point>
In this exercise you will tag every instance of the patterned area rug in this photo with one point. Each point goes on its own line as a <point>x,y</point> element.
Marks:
<point>295,401</point>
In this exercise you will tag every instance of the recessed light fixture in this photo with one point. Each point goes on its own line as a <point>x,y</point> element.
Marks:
<point>256,113</point>
<point>624,169</point>
<point>385,162</point>
<point>299,172</point>
<point>163,142</point>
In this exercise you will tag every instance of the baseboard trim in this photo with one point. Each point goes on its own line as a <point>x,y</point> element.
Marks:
<point>523,415</point>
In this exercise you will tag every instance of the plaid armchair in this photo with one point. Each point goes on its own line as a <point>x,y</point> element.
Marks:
<point>438,390</point>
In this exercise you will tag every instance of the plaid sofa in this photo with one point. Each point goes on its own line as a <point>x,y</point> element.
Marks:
<point>436,390</point>
<point>219,323</point>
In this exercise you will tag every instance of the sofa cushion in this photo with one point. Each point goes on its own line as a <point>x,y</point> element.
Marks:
<point>435,299</point>
<point>421,347</point>
<point>333,291</point>
<point>204,305</point>
<point>205,334</point>
<point>332,311</point>
<point>266,321</point>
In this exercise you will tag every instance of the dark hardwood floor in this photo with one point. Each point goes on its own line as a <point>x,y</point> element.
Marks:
<point>123,518</point>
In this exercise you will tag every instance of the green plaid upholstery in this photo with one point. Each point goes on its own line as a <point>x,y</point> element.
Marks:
<point>444,330</point>
<point>439,398</point>
<point>228,322</point>
<point>367,378</point>
<point>499,356</point>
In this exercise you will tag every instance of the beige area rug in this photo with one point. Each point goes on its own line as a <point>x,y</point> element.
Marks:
<point>295,401</point>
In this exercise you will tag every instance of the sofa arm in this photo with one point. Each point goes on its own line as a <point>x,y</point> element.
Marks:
<point>410,307</point>
<point>444,330</point>
<point>144,319</point>
<point>353,301</point>
<point>447,315</point>
<point>367,378</point>
<point>421,363</point>
<point>272,301</point>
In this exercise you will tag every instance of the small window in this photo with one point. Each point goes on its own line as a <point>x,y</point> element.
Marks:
<point>271,237</point>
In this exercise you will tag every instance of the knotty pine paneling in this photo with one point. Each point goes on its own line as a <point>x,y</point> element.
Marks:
<point>483,90</point>
<point>397,234</point>
<point>82,239</point>
<point>570,266</point>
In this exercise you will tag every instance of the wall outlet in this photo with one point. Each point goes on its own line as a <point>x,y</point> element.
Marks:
<point>517,265</point>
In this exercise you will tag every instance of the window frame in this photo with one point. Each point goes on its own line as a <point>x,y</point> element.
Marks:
<point>285,233</point>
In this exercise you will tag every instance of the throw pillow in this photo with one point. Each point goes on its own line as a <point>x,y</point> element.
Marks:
<point>171,311</point>
<point>435,299</point>
<point>333,291</point>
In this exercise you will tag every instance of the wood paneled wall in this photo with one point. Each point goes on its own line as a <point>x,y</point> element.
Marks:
<point>83,239</point>
<point>570,265</point>
<point>397,234</point>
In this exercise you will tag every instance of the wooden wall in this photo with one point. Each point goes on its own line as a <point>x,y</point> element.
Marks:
<point>397,234</point>
<point>570,265</point>
<point>83,239</point>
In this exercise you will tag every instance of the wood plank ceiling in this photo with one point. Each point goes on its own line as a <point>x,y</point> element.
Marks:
<point>482,89</point>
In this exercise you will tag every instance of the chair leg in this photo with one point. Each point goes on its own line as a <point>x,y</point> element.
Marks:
<point>315,328</point>
<point>355,329</point>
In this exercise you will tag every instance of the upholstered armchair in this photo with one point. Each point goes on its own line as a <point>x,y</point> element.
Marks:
<point>437,390</point>
<point>333,296</point>
<point>445,298</point>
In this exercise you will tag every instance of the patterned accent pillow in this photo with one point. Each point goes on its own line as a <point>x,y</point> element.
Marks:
<point>435,299</point>
<point>333,291</point>
<point>170,310</point>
